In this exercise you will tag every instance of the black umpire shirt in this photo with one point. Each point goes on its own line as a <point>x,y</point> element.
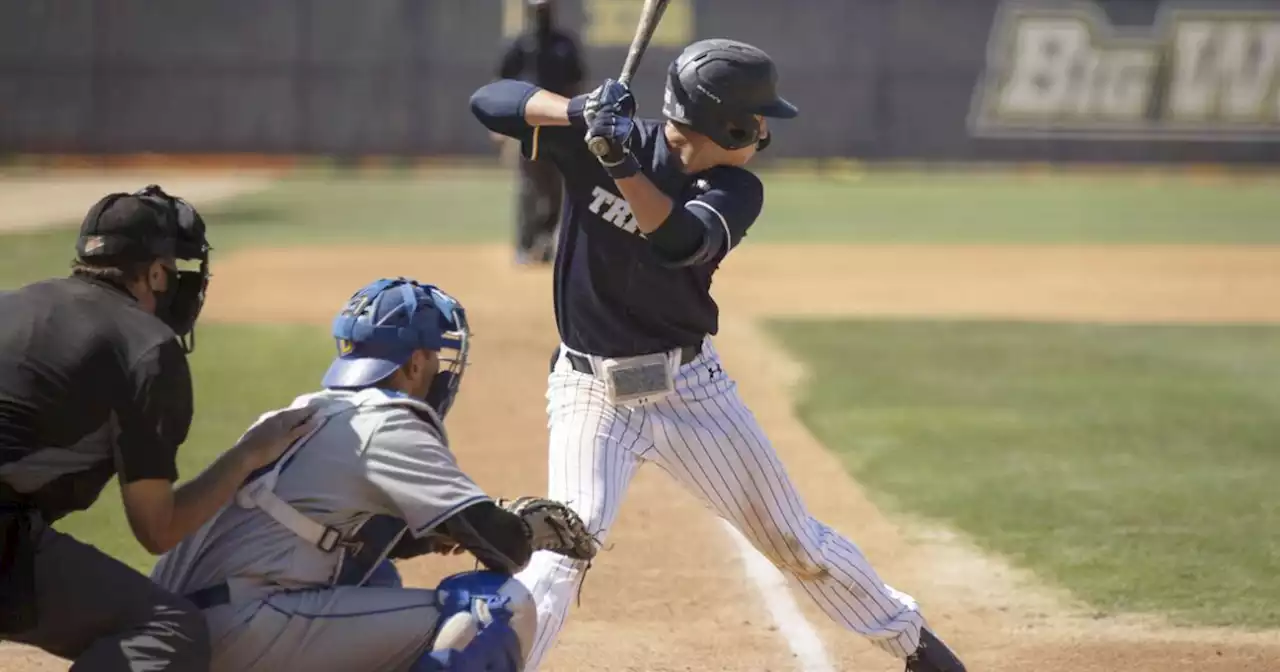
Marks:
<point>91,385</point>
<point>551,61</point>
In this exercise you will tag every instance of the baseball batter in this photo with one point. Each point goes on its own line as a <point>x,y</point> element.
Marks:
<point>294,574</point>
<point>636,379</point>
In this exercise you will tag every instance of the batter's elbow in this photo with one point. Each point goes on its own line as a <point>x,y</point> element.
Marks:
<point>480,106</point>
<point>500,105</point>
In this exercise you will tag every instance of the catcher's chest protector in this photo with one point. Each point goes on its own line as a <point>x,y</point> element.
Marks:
<point>368,544</point>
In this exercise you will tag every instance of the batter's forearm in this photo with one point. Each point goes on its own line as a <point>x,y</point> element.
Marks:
<point>675,232</point>
<point>509,107</point>
<point>544,108</point>
<point>650,207</point>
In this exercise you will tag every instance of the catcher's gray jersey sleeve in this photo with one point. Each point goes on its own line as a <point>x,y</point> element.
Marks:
<point>407,461</point>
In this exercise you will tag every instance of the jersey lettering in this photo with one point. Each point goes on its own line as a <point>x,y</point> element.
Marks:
<point>619,212</point>
<point>600,198</point>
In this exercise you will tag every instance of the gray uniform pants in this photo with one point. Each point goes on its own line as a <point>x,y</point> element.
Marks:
<point>370,629</point>
<point>95,610</point>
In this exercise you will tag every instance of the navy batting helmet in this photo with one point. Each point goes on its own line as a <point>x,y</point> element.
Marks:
<point>385,322</point>
<point>718,87</point>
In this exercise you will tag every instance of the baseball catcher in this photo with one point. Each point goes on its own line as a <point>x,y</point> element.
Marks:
<point>296,573</point>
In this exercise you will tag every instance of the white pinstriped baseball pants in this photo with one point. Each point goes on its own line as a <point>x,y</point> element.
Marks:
<point>708,440</point>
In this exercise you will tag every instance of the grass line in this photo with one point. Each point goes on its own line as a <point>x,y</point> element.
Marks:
<point>1135,465</point>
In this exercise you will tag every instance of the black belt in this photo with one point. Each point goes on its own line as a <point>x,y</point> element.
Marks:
<point>213,596</point>
<point>582,363</point>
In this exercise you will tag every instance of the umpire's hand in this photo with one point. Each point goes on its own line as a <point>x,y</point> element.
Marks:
<point>267,440</point>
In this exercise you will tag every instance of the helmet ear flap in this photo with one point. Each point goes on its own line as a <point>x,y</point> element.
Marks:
<point>740,133</point>
<point>740,137</point>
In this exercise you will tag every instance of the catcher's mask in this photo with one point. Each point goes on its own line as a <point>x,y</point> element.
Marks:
<point>383,324</point>
<point>146,225</point>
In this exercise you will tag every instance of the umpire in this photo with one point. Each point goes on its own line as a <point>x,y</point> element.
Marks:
<point>549,58</point>
<point>94,383</point>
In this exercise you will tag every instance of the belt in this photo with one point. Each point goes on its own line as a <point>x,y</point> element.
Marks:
<point>208,598</point>
<point>582,363</point>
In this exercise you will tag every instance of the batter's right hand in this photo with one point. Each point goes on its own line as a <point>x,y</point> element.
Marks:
<point>266,441</point>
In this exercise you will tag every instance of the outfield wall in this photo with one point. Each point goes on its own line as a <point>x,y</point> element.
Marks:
<point>956,80</point>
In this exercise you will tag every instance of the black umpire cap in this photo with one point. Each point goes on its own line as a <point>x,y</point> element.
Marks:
<point>123,228</point>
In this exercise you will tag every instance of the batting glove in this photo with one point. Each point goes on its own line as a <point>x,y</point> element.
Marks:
<point>611,95</point>
<point>611,120</point>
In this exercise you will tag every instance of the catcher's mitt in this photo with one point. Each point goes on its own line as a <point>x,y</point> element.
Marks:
<point>553,526</point>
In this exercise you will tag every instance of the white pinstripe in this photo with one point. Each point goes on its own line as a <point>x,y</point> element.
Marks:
<point>708,440</point>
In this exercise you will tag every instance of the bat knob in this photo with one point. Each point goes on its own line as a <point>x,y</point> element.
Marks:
<point>598,146</point>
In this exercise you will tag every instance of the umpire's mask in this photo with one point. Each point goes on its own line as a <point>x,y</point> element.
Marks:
<point>185,296</point>
<point>148,225</point>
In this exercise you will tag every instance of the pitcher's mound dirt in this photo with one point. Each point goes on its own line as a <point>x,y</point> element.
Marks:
<point>670,594</point>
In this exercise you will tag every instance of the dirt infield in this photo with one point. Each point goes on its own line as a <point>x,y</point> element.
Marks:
<point>647,606</point>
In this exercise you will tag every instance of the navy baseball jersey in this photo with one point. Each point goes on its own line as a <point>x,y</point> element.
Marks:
<point>616,295</point>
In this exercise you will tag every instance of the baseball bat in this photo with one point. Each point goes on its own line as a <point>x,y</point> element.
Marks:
<point>649,17</point>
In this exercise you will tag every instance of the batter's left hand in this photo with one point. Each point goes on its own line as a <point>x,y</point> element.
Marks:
<point>615,129</point>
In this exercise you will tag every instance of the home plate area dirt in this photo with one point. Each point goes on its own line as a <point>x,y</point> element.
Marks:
<point>670,592</point>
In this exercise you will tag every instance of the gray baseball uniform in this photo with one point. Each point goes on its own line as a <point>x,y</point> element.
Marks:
<point>374,462</point>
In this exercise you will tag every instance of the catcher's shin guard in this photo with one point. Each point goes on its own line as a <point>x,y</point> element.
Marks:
<point>487,623</point>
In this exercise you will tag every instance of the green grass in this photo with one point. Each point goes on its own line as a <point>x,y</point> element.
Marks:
<point>985,208</point>
<point>26,257</point>
<point>1135,465</point>
<point>388,208</point>
<point>240,372</point>
<point>407,208</point>
<point>384,207</point>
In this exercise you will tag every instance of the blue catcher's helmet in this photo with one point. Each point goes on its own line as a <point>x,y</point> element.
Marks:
<point>385,322</point>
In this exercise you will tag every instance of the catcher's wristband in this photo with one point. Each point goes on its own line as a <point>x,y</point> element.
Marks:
<point>623,168</point>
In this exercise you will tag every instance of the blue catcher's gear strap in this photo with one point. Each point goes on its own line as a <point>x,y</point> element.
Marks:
<point>367,545</point>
